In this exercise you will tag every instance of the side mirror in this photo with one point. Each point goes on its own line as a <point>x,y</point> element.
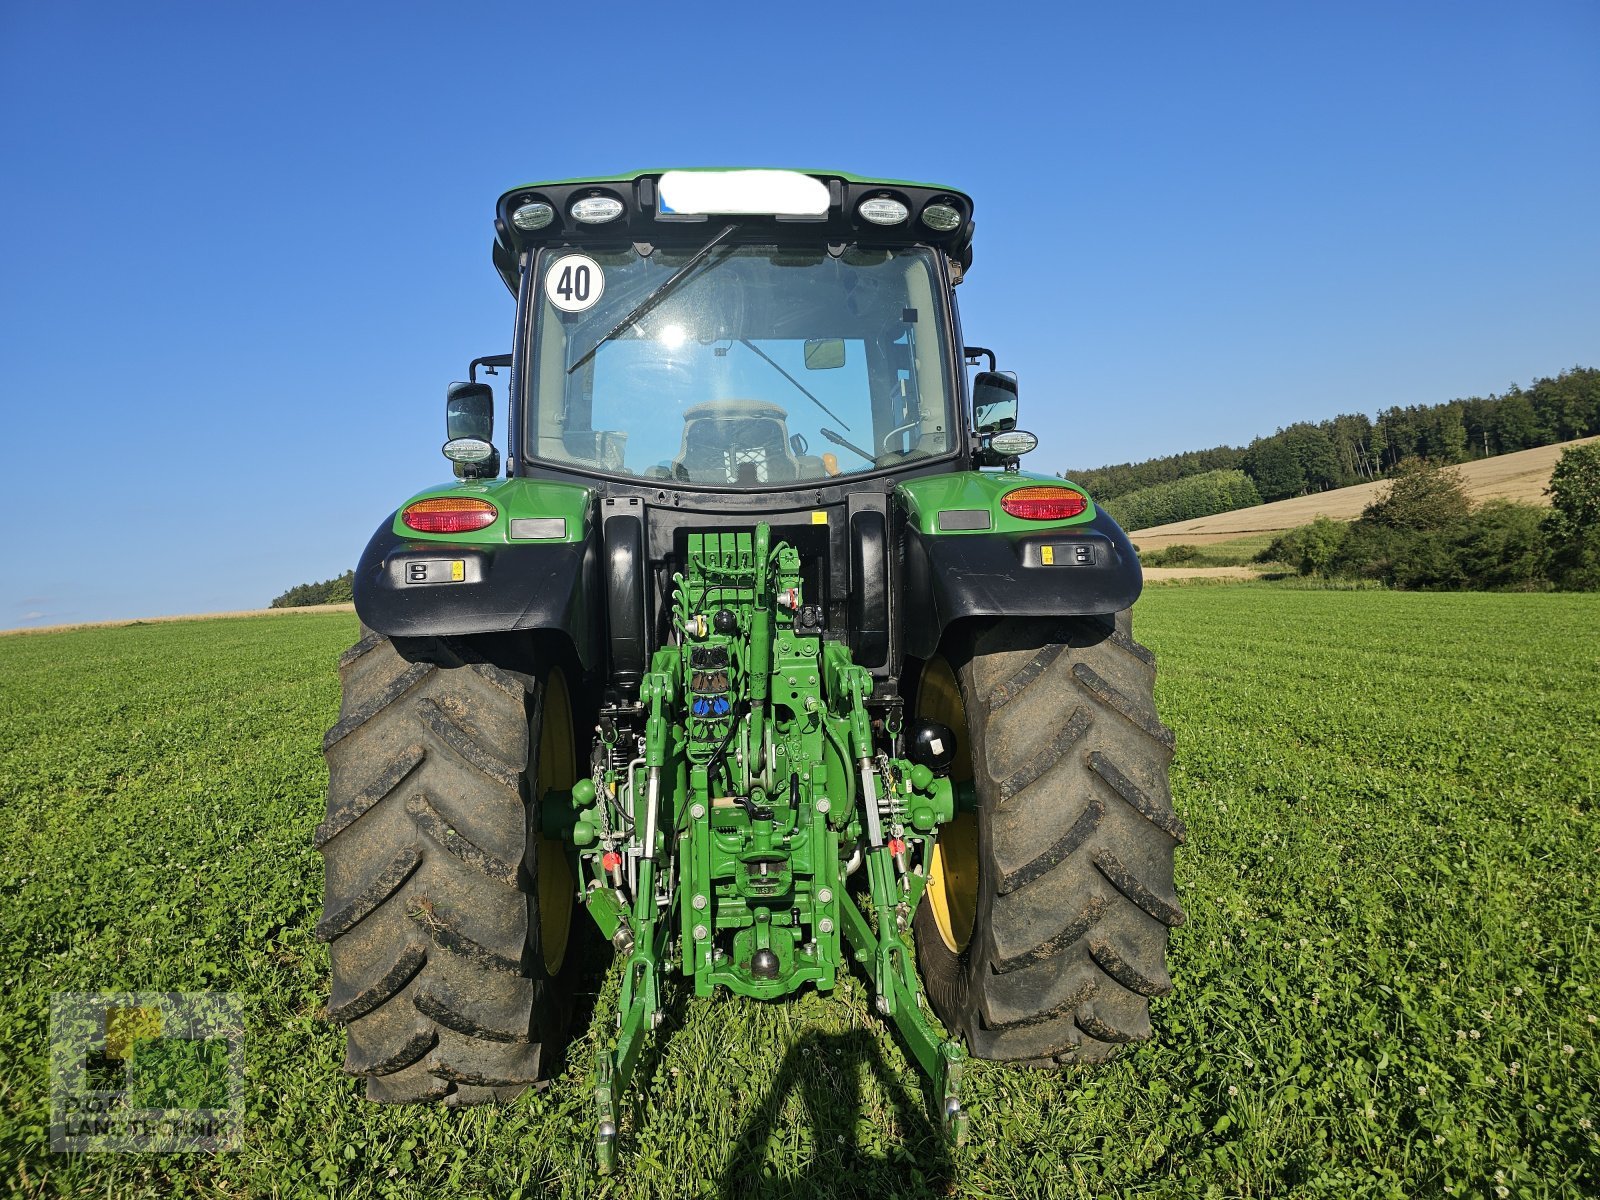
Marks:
<point>824,354</point>
<point>994,402</point>
<point>468,426</point>
<point>469,411</point>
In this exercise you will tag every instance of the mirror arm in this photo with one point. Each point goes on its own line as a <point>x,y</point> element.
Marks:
<point>490,363</point>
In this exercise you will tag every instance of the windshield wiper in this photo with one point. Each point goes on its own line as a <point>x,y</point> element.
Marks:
<point>751,345</point>
<point>839,441</point>
<point>657,296</point>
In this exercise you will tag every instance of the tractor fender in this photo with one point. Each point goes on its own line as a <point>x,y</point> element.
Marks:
<point>1072,571</point>
<point>404,588</point>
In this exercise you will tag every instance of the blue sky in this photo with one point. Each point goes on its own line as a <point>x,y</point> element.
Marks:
<point>245,246</point>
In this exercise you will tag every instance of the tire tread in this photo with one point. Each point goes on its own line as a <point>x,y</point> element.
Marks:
<point>1081,769</point>
<point>429,911</point>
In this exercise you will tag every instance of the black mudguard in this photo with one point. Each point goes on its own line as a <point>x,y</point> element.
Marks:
<point>1094,571</point>
<point>506,588</point>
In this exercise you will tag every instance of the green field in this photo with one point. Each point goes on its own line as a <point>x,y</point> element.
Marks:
<point>1388,985</point>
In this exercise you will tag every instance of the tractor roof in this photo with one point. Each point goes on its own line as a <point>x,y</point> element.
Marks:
<point>676,204</point>
<point>634,176</point>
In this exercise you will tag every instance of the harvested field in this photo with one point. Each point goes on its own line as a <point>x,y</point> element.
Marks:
<point>1522,476</point>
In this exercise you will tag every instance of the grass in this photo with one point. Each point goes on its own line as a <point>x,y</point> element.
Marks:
<point>1387,986</point>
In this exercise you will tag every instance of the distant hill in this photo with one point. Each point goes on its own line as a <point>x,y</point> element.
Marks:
<point>1305,459</point>
<point>1520,476</point>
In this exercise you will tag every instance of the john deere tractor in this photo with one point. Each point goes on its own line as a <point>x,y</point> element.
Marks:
<point>758,659</point>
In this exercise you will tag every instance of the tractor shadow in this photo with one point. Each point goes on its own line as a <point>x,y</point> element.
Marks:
<point>828,1071</point>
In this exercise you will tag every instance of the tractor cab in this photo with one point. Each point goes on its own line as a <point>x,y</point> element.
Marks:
<point>718,330</point>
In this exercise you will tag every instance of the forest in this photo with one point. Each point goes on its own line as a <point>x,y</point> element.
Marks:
<point>330,591</point>
<point>1352,448</point>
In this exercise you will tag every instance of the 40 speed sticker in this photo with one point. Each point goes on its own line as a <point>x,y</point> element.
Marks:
<point>574,283</point>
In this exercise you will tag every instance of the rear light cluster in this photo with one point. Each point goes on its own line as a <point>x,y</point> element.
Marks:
<point>449,514</point>
<point>1045,503</point>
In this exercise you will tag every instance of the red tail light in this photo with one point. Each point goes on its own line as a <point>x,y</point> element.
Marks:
<point>1044,503</point>
<point>449,514</point>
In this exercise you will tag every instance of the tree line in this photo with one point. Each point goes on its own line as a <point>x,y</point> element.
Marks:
<point>1184,499</point>
<point>337,590</point>
<point>1352,448</point>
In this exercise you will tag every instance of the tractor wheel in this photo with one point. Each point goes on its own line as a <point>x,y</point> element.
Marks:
<point>447,911</point>
<point>1042,935</point>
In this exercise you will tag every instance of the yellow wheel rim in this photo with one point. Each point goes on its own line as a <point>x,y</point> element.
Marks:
<point>558,768</point>
<point>953,874</point>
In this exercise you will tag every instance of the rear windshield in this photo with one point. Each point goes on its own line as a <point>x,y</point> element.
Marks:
<point>759,367</point>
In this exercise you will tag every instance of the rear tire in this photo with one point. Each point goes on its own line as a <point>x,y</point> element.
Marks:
<point>433,906</point>
<point>1069,897</point>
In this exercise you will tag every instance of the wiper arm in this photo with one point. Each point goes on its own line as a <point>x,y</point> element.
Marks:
<point>839,441</point>
<point>656,297</point>
<point>746,342</point>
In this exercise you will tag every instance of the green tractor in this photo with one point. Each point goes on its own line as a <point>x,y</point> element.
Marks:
<point>759,657</point>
